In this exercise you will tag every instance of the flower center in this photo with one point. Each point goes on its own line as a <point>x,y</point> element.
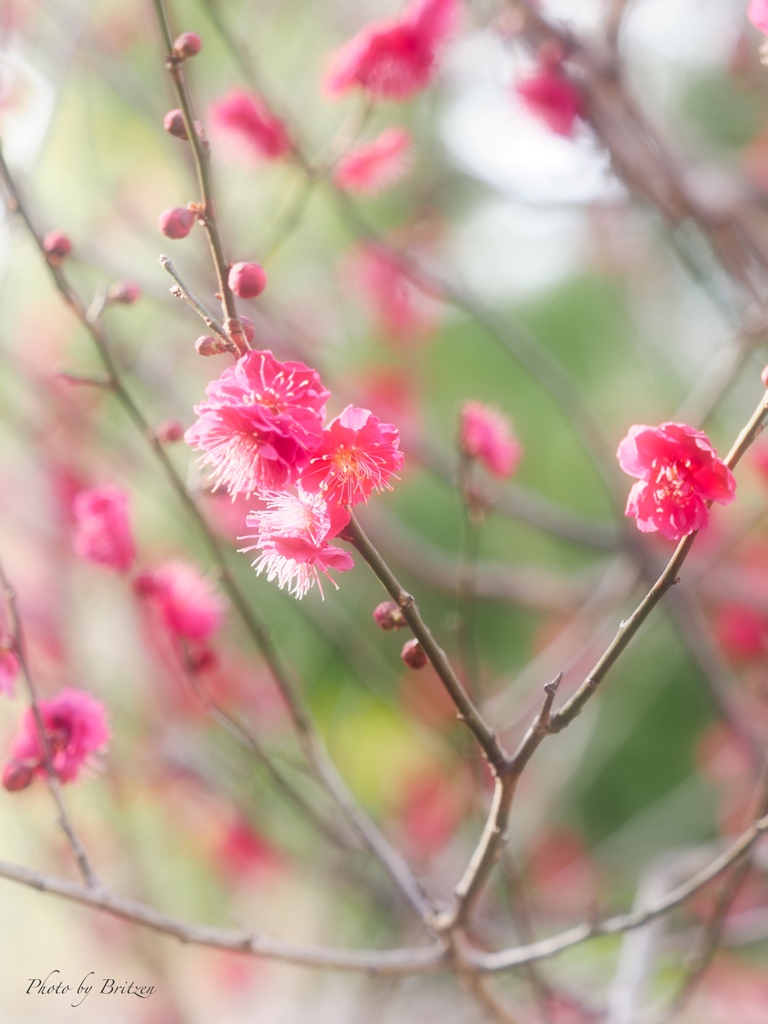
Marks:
<point>673,481</point>
<point>346,462</point>
<point>268,398</point>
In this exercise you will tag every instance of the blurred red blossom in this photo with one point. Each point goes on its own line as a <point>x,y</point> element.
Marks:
<point>246,117</point>
<point>552,98</point>
<point>394,60</point>
<point>76,726</point>
<point>9,670</point>
<point>374,166</point>
<point>102,533</point>
<point>188,605</point>
<point>486,435</point>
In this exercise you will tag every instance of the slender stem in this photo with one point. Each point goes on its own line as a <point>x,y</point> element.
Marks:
<point>182,292</point>
<point>18,646</point>
<point>202,159</point>
<point>468,713</point>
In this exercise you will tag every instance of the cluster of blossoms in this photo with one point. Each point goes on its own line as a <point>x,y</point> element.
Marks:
<point>261,430</point>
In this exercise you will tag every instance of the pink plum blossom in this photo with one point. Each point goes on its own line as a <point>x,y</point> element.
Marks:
<point>260,424</point>
<point>552,98</point>
<point>188,605</point>
<point>757,12</point>
<point>247,117</point>
<point>102,533</point>
<point>374,166</point>
<point>293,535</point>
<point>357,455</point>
<point>679,473</point>
<point>486,435</point>
<point>394,60</point>
<point>400,309</point>
<point>76,726</point>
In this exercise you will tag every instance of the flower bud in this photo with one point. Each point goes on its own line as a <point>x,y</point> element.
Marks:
<point>16,776</point>
<point>247,280</point>
<point>207,345</point>
<point>413,654</point>
<point>388,616</point>
<point>173,122</point>
<point>764,376</point>
<point>176,222</point>
<point>57,245</point>
<point>188,44</point>
<point>144,584</point>
<point>124,291</point>
<point>169,431</point>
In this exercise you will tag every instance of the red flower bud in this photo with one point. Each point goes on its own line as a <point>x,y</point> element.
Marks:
<point>173,122</point>
<point>388,616</point>
<point>247,280</point>
<point>169,431</point>
<point>176,222</point>
<point>188,44</point>
<point>16,776</point>
<point>144,584</point>
<point>413,654</point>
<point>207,345</point>
<point>764,376</point>
<point>57,245</point>
<point>124,291</point>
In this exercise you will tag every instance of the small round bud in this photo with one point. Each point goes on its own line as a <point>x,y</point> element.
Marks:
<point>188,44</point>
<point>764,376</point>
<point>247,280</point>
<point>16,776</point>
<point>207,345</point>
<point>413,654</point>
<point>57,245</point>
<point>388,616</point>
<point>173,122</point>
<point>249,328</point>
<point>126,292</point>
<point>176,222</point>
<point>202,660</point>
<point>169,431</point>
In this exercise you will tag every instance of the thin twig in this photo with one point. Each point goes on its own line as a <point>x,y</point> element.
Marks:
<point>181,291</point>
<point>18,646</point>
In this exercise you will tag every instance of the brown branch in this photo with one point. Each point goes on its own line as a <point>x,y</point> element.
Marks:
<point>18,646</point>
<point>201,154</point>
<point>390,963</point>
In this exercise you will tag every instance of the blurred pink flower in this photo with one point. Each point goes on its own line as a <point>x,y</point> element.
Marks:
<point>401,310</point>
<point>486,435</point>
<point>374,166</point>
<point>189,606</point>
<point>102,533</point>
<point>292,538</point>
<point>357,455</point>
<point>678,472</point>
<point>9,670</point>
<point>247,117</point>
<point>76,725</point>
<point>552,98</point>
<point>742,632</point>
<point>757,12</point>
<point>261,422</point>
<point>394,59</point>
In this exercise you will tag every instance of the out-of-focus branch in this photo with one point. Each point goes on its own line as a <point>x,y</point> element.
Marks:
<point>18,646</point>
